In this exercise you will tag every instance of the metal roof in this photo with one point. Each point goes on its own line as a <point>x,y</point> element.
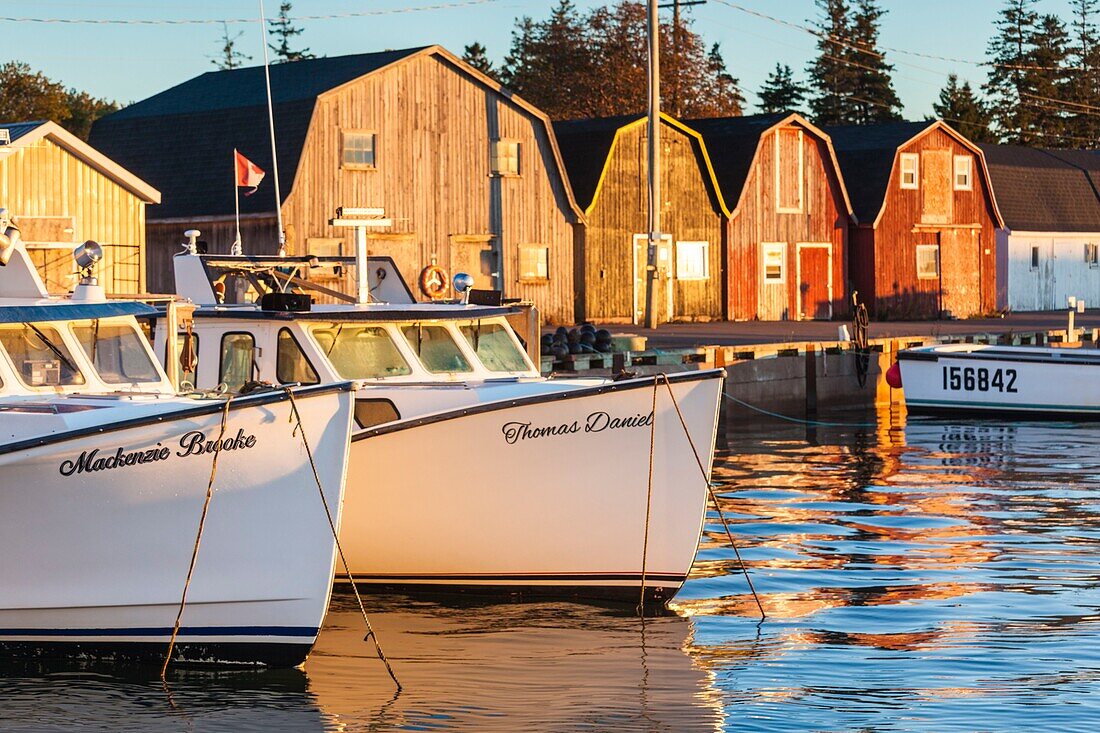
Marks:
<point>66,311</point>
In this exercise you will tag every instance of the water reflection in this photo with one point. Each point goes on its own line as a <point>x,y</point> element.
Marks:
<point>921,575</point>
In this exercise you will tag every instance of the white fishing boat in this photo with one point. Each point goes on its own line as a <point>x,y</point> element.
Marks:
<point>468,468</point>
<point>980,380</point>
<point>104,474</point>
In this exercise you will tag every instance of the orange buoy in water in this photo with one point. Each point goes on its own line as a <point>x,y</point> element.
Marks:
<point>893,375</point>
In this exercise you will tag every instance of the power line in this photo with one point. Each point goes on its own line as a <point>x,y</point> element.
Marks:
<point>236,21</point>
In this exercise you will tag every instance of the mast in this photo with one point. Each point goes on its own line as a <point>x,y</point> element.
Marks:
<point>271,128</point>
<point>654,164</point>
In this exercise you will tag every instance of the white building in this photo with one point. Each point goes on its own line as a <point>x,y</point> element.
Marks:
<point>1047,251</point>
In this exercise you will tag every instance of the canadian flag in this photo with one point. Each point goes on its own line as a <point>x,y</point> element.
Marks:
<point>249,174</point>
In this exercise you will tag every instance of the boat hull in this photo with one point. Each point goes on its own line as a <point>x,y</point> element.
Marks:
<point>538,495</point>
<point>96,545</point>
<point>972,381</point>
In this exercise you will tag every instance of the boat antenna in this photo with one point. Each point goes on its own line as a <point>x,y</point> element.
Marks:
<point>271,128</point>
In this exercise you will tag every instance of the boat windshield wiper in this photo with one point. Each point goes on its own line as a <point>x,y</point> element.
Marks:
<point>53,347</point>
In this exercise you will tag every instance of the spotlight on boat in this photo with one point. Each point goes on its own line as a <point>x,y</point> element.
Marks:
<point>9,237</point>
<point>463,282</point>
<point>87,255</point>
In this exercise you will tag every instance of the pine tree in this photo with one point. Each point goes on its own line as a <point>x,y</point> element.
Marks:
<point>961,108</point>
<point>781,93</point>
<point>873,98</point>
<point>1083,122</point>
<point>230,57</point>
<point>832,77</point>
<point>283,31</point>
<point>1010,55</point>
<point>475,55</point>
<point>549,62</point>
<point>1049,84</point>
<point>721,93</point>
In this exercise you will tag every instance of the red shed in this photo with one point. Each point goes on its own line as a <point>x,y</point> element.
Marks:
<point>789,215</point>
<point>924,242</point>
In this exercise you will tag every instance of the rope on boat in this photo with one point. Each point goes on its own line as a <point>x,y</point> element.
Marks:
<point>710,490</point>
<point>799,420</point>
<point>198,540</point>
<point>648,498</point>
<point>371,635</point>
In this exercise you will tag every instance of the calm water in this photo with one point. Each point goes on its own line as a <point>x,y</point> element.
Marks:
<point>930,576</point>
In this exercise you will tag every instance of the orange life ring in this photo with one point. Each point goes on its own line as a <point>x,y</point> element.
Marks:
<point>433,281</point>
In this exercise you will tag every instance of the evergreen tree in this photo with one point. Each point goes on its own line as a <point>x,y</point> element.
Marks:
<point>873,97</point>
<point>550,64</point>
<point>1049,85</point>
<point>832,77</point>
<point>961,108</point>
<point>1011,54</point>
<point>781,93</point>
<point>1083,122</point>
<point>720,95</point>
<point>230,57</point>
<point>475,56</point>
<point>284,31</point>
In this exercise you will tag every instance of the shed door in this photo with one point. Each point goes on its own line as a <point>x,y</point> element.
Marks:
<point>1072,274</point>
<point>664,277</point>
<point>478,257</point>
<point>815,281</point>
<point>960,272</point>
<point>936,190</point>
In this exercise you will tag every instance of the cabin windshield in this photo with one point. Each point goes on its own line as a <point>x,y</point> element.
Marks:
<point>360,352</point>
<point>435,348</point>
<point>494,346</point>
<point>117,351</point>
<point>39,355</point>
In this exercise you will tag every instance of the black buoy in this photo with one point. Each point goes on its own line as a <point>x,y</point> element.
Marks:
<point>559,350</point>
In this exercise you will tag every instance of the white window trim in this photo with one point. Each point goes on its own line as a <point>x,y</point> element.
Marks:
<point>358,166</point>
<point>915,159</point>
<point>801,176</point>
<point>494,146</point>
<point>705,247</point>
<point>782,246</point>
<point>969,173</point>
<point>1093,263</point>
<point>935,248</point>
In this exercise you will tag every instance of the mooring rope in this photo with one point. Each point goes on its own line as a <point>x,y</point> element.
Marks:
<point>371,636</point>
<point>799,420</point>
<point>648,498</point>
<point>710,490</point>
<point>198,540</point>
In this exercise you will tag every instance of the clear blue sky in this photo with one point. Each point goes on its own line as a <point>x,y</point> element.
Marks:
<point>131,62</point>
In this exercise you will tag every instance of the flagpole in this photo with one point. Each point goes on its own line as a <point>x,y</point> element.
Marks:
<point>237,249</point>
<point>271,127</point>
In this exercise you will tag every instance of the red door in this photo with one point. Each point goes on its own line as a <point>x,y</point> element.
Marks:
<point>815,281</point>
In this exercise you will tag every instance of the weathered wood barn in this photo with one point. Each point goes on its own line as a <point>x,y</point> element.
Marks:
<point>923,245</point>
<point>469,173</point>
<point>1047,248</point>
<point>62,192</point>
<point>788,217</point>
<point>607,160</point>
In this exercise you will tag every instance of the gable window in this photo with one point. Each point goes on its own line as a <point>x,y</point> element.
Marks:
<point>504,157</point>
<point>962,173</point>
<point>788,170</point>
<point>773,259</point>
<point>534,263</point>
<point>1034,257</point>
<point>928,261</point>
<point>692,260</point>
<point>358,150</point>
<point>1091,255</point>
<point>910,170</point>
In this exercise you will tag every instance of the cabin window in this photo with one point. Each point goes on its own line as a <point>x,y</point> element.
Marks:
<point>191,375</point>
<point>369,413</point>
<point>40,356</point>
<point>773,259</point>
<point>962,173</point>
<point>910,170</point>
<point>692,260</point>
<point>928,261</point>
<point>117,351</point>
<point>1091,256</point>
<point>788,171</point>
<point>238,360</point>
<point>360,352</point>
<point>534,263</point>
<point>358,150</point>
<point>494,346</point>
<point>291,363</point>
<point>1034,258</point>
<point>504,157</point>
<point>437,351</point>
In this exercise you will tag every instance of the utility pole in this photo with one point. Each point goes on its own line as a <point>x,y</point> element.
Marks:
<point>654,172</point>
